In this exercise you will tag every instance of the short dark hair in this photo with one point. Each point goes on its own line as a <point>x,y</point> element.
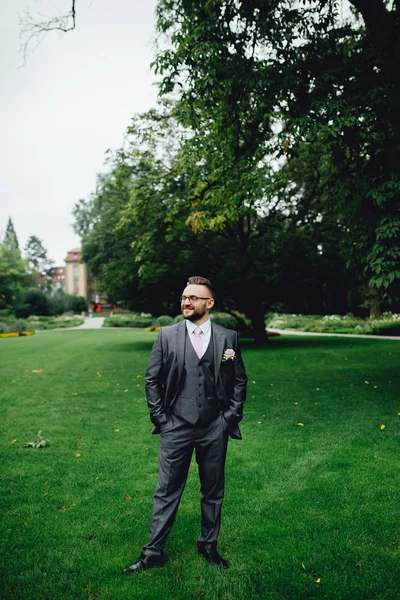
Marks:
<point>196,280</point>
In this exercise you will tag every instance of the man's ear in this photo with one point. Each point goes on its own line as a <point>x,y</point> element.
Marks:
<point>211,303</point>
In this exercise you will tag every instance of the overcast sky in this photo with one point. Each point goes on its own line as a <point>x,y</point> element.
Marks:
<point>72,100</point>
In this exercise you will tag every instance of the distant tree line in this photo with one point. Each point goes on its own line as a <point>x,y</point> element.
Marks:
<point>26,280</point>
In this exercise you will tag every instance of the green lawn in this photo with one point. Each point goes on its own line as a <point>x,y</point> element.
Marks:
<point>310,511</point>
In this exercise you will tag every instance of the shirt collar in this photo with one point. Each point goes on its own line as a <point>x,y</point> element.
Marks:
<point>205,327</point>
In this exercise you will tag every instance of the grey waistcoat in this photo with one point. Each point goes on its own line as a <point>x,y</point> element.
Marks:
<point>197,399</point>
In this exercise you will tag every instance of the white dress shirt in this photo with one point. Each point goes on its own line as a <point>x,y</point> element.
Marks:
<point>205,336</point>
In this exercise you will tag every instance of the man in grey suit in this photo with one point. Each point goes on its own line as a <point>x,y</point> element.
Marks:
<point>195,389</point>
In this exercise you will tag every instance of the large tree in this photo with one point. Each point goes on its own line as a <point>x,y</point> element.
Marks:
<point>39,264</point>
<point>256,79</point>
<point>137,242</point>
<point>13,274</point>
<point>10,237</point>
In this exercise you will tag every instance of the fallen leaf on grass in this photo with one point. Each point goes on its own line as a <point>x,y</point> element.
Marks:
<point>126,390</point>
<point>13,441</point>
<point>77,455</point>
<point>67,507</point>
<point>115,429</point>
<point>300,424</point>
<point>318,580</point>
<point>37,371</point>
<point>382,427</point>
<point>74,394</point>
<point>45,494</point>
<point>128,497</point>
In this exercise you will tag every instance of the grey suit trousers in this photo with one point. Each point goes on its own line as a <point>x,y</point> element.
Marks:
<point>178,439</point>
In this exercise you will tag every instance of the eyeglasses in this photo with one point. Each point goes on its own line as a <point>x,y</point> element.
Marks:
<point>192,298</point>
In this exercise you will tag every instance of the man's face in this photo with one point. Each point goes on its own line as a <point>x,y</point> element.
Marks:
<point>196,310</point>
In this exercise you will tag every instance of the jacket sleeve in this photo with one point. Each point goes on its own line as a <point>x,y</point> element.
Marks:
<point>154,384</point>
<point>234,413</point>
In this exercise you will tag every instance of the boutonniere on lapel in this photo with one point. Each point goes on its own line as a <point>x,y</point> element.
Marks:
<point>229,354</point>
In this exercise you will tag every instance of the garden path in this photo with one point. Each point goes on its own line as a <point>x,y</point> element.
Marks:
<point>91,323</point>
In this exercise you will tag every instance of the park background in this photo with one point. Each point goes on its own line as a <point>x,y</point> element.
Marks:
<point>269,163</point>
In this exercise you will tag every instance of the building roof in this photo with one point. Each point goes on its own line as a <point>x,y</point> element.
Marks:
<point>74,255</point>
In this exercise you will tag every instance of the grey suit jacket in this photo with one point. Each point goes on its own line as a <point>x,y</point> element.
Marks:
<point>165,368</point>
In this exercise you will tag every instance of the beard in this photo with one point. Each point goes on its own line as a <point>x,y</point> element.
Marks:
<point>193,314</point>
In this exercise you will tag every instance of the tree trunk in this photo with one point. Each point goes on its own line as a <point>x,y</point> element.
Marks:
<point>256,315</point>
<point>374,304</point>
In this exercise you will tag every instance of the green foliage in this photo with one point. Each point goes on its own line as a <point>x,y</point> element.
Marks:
<point>13,275</point>
<point>129,320</point>
<point>61,303</point>
<point>291,79</point>
<point>32,302</point>
<point>15,326</point>
<point>224,319</point>
<point>164,320</point>
<point>38,262</point>
<point>10,237</point>
<point>37,323</point>
<point>388,324</point>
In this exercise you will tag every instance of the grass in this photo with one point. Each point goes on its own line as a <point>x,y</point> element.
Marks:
<point>310,511</point>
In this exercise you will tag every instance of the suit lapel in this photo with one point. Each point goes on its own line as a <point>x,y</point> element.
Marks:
<point>180,346</point>
<point>218,341</point>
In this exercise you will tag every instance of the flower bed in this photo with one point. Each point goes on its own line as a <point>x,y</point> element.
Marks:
<point>16,334</point>
<point>388,324</point>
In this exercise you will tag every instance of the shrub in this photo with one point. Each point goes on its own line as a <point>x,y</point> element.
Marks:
<point>16,327</point>
<point>62,303</point>
<point>178,318</point>
<point>32,302</point>
<point>224,319</point>
<point>129,320</point>
<point>77,304</point>
<point>388,324</point>
<point>6,315</point>
<point>164,320</point>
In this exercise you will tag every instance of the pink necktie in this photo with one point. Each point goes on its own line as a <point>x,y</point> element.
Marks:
<point>197,343</point>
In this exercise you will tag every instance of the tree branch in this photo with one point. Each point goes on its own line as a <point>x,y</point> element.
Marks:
<point>34,30</point>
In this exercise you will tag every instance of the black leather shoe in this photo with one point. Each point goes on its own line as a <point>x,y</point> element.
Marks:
<point>209,551</point>
<point>145,562</point>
